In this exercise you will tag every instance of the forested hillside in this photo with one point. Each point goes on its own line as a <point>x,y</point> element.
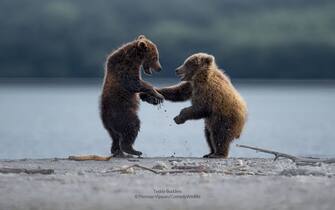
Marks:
<point>250,39</point>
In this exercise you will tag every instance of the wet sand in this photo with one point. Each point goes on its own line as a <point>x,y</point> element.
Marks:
<point>236,183</point>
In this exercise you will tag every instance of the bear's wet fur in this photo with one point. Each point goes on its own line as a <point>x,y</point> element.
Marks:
<point>122,83</point>
<point>213,98</point>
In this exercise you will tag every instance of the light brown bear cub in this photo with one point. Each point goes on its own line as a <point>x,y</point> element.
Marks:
<point>213,98</point>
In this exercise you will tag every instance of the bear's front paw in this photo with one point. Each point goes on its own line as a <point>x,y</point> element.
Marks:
<point>150,99</point>
<point>178,120</point>
<point>144,96</point>
<point>157,95</point>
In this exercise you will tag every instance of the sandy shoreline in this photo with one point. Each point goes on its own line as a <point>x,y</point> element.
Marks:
<point>236,183</point>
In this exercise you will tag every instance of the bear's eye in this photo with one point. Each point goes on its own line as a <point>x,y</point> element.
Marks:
<point>192,64</point>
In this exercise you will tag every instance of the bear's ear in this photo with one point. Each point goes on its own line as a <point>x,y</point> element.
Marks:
<point>140,37</point>
<point>209,59</point>
<point>142,45</point>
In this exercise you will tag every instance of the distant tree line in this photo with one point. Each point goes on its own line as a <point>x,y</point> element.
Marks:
<point>250,39</point>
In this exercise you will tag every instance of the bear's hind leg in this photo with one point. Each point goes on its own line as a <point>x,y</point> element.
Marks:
<point>209,142</point>
<point>128,139</point>
<point>129,135</point>
<point>115,148</point>
<point>115,143</point>
<point>222,140</point>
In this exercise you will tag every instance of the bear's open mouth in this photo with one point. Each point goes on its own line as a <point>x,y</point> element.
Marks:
<point>181,76</point>
<point>147,71</point>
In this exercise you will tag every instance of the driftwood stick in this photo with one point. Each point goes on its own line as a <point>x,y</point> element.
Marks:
<point>146,168</point>
<point>276,154</point>
<point>189,170</point>
<point>296,159</point>
<point>26,171</point>
<point>89,157</point>
<point>134,166</point>
<point>199,167</point>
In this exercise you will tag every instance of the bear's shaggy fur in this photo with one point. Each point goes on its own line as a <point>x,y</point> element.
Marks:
<point>122,83</point>
<point>213,98</point>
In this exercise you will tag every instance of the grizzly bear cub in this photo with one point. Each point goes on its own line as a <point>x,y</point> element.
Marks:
<point>122,83</point>
<point>213,98</point>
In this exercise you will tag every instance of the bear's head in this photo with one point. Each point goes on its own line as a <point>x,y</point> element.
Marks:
<point>149,54</point>
<point>194,64</point>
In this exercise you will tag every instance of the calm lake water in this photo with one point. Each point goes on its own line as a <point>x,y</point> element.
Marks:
<point>57,119</point>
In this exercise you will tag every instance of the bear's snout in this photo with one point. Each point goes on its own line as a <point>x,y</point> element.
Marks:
<point>180,73</point>
<point>157,67</point>
<point>178,70</point>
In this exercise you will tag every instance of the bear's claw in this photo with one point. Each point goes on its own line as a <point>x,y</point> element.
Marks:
<point>207,155</point>
<point>119,154</point>
<point>131,151</point>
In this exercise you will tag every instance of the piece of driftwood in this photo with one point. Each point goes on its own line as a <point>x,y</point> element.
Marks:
<point>162,172</point>
<point>26,171</point>
<point>199,167</point>
<point>89,157</point>
<point>296,159</point>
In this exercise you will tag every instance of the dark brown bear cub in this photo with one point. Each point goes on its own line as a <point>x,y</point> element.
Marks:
<point>213,98</point>
<point>122,83</point>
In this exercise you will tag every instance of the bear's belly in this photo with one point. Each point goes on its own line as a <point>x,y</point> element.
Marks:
<point>120,103</point>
